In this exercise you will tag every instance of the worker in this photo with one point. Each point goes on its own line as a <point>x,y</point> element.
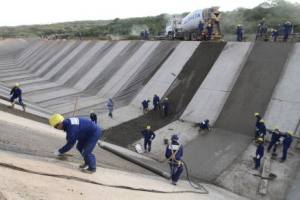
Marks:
<point>16,93</point>
<point>174,153</point>
<point>258,118</point>
<point>82,130</point>
<point>288,139</point>
<point>209,31</point>
<point>204,125</point>
<point>275,34</point>
<point>287,29</point>
<point>93,117</point>
<point>148,135</point>
<point>110,107</point>
<point>239,33</point>
<point>259,152</point>
<point>166,106</point>
<point>155,102</point>
<point>275,138</point>
<point>262,131</point>
<point>145,105</point>
<point>201,29</point>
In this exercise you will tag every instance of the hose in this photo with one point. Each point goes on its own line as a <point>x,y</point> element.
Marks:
<point>194,185</point>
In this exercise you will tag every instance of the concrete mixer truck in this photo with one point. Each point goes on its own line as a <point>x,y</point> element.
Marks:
<point>196,25</point>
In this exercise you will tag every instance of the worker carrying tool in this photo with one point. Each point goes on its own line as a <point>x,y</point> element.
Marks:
<point>83,131</point>
<point>16,93</point>
<point>259,152</point>
<point>174,153</point>
<point>93,117</point>
<point>148,135</point>
<point>275,139</point>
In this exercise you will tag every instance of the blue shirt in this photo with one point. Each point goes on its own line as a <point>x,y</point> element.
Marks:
<point>78,129</point>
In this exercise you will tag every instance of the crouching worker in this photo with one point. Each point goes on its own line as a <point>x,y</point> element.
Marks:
<point>174,153</point>
<point>204,125</point>
<point>83,131</point>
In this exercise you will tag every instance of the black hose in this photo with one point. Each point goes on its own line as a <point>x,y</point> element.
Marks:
<point>194,185</point>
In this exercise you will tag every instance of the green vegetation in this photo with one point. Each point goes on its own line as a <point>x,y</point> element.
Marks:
<point>274,11</point>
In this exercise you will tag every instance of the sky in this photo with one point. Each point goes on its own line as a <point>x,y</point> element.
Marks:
<point>27,12</point>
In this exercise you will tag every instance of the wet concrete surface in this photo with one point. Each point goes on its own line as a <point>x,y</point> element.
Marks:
<point>180,94</point>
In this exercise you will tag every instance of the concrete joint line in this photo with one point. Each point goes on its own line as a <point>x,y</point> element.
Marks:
<point>13,167</point>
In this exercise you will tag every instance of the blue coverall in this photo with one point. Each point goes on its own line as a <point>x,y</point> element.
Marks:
<point>258,118</point>
<point>274,139</point>
<point>239,33</point>
<point>175,164</point>
<point>155,102</point>
<point>209,32</point>
<point>204,125</point>
<point>275,35</point>
<point>258,155</point>
<point>145,105</point>
<point>148,137</point>
<point>287,28</point>
<point>110,107</point>
<point>262,131</point>
<point>16,92</point>
<point>87,133</point>
<point>93,117</point>
<point>166,107</point>
<point>288,139</point>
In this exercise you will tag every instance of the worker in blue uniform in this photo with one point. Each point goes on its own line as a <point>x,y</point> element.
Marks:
<point>16,93</point>
<point>275,138</point>
<point>83,131</point>
<point>209,31</point>
<point>166,106</point>
<point>239,33</point>
<point>262,130</point>
<point>155,102</point>
<point>275,34</point>
<point>93,117</point>
<point>204,125</point>
<point>259,152</point>
<point>258,118</point>
<point>110,107</point>
<point>288,139</point>
<point>145,105</point>
<point>148,135</point>
<point>287,29</point>
<point>174,153</point>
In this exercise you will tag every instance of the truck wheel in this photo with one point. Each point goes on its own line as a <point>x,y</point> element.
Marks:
<point>194,36</point>
<point>187,36</point>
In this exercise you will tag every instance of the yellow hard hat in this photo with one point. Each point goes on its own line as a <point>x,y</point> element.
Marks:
<point>290,133</point>
<point>261,121</point>
<point>256,114</point>
<point>260,139</point>
<point>55,119</point>
<point>148,127</point>
<point>17,84</point>
<point>276,128</point>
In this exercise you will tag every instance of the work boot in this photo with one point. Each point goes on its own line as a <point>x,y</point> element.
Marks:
<point>89,170</point>
<point>83,165</point>
<point>174,183</point>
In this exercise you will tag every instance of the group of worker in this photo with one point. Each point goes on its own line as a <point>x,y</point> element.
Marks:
<point>284,29</point>
<point>205,31</point>
<point>276,135</point>
<point>158,104</point>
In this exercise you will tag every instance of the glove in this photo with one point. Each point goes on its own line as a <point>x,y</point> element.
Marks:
<point>257,156</point>
<point>57,153</point>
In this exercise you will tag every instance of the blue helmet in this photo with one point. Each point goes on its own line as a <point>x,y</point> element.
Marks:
<point>174,137</point>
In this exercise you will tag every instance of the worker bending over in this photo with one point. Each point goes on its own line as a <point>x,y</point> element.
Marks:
<point>16,93</point>
<point>83,131</point>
